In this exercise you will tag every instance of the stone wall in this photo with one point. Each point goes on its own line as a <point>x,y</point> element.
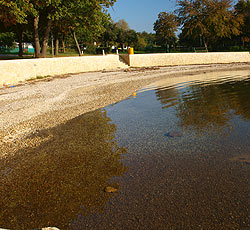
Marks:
<point>14,71</point>
<point>169,59</point>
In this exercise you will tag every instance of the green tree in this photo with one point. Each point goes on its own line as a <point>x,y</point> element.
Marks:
<point>141,43</point>
<point>88,16</point>
<point>122,33</point>
<point>13,18</point>
<point>243,11</point>
<point>132,38</point>
<point>110,35</point>
<point>165,27</point>
<point>122,24</point>
<point>7,39</point>
<point>208,20</point>
<point>63,14</point>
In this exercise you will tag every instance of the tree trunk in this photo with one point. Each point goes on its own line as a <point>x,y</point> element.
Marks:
<point>77,45</point>
<point>20,41</point>
<point>56,44</point>
<point>36,37</point>
<point>63,45</point>
<point>243,42</point>
<point>52,46</point>
<point>45,39</point>
<point>205,44</point>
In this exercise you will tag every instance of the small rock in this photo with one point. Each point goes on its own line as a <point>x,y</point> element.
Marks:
<point>174,134</point>
<point>110,189</point>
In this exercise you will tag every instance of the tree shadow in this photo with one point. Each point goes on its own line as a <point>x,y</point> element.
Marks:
<point>64,176</point>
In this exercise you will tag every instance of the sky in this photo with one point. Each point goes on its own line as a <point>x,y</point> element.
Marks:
<point>140,14</point>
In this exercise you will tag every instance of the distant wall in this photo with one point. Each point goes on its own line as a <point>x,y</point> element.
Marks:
<point>14,71</point>
<point>168,59</point>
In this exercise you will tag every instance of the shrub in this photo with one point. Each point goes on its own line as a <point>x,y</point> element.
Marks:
<point>107,50</point>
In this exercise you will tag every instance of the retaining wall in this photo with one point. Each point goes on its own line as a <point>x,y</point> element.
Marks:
<point>169,59</point>
<point>14,71</point>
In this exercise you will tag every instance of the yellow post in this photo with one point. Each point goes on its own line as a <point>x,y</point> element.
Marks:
<point>131,51</point>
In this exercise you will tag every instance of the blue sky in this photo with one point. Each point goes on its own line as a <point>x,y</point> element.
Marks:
<point>140,14</point>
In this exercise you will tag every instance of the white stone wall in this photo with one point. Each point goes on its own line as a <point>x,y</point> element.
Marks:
<point>14,71</point>
<point>168,59</point>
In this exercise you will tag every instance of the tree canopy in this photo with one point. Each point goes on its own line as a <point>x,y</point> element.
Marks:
<point>209,19</point>
<point>165,27</point>
<point>64,15</point>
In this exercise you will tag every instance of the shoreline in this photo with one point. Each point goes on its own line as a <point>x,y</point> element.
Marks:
<point>42,104</point>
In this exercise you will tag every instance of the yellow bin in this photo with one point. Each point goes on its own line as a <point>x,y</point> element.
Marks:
<point>131,51</point>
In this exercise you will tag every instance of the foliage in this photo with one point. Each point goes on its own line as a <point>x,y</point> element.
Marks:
<point>208,19</point>
<point>119,34</point>
<point>141,43</point>
<point>87,17</point>
<point>242,9</point>
<point>7,39</point>
<point>122,24</point>
<point>165,27</point>
<point>107,50</point>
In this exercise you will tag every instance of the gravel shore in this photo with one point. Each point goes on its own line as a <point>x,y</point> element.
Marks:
<point>40,104</point>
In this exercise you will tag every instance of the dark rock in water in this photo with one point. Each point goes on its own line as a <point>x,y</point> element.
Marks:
<point>110,189</point>
<point>173,134</point>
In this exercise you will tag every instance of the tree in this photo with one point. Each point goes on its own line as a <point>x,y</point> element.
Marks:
<point>165,27</point>
<point>242,9</point>
<point>141,43</point>
<point>64,14</point>
<point>7,39</point>
<point>13,12</point>
<point>13,17</point>
<point>208,20</point>
<point>110,34</point>
<point>88,16</point>
<point>132,38</point>
<point>122,24</point>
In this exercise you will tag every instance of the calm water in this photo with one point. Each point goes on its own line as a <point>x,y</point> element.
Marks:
<point>178,151</point>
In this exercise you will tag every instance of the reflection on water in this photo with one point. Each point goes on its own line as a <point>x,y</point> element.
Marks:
<point>203,106</point>
<point>51,184</point>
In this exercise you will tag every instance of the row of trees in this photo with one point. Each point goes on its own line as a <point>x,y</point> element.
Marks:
<point>205,23</point>
<point>120,35</point>
<point>59,16</point>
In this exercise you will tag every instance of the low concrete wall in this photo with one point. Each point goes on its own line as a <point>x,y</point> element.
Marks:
<point>14,71</point>
<point>168,59</point>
